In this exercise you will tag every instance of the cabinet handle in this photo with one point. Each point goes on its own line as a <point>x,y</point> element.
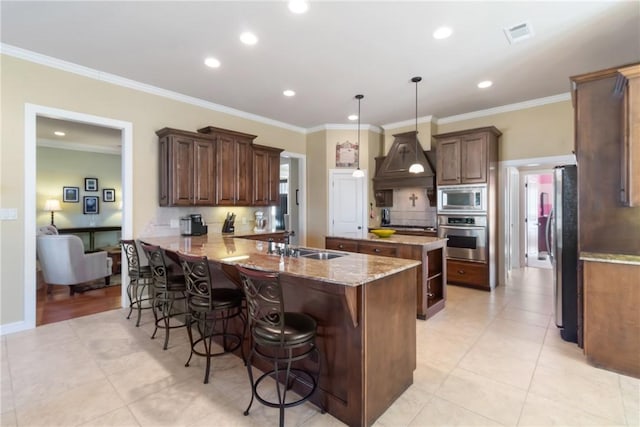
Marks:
<point>297,203</point>
<point>460,271</point>
<point>376,250</point>
<point>340,246</point>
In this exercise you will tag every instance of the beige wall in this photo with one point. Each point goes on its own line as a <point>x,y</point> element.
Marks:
<point>542,131</point>
<point>316,188</point>
<point>25,82</point>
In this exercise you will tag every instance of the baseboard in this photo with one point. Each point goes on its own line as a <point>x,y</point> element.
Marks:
<point>14,327</point>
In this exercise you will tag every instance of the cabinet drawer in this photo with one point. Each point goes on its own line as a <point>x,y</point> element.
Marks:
<point>468,273</point>
<point>377,249</point>
<point>341,244</point>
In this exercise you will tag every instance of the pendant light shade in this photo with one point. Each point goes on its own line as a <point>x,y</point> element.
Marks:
<point>416,167</point>
<point>358,173</point>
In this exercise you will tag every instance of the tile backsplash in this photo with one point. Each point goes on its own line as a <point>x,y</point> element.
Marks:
<point>411,207</point>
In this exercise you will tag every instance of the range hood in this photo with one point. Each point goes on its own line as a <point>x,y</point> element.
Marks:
<point>393,172</point>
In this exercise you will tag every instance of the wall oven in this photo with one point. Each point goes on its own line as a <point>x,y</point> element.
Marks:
<point>457,199</point>
<point>467,237</point>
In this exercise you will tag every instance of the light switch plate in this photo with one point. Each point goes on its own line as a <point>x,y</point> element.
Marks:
<point>8,214</point>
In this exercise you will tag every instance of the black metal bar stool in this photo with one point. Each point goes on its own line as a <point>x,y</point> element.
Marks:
<point>211,309</point>
<point>278,336</point>
<point>140,277</point>
<point>168,289</point>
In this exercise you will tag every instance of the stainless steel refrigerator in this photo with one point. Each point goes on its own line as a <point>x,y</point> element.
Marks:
<point>562,237</point>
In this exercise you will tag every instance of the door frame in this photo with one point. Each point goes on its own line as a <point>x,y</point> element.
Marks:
<point>509,203</point>
<point>31,113</point>
<point>302,201</point>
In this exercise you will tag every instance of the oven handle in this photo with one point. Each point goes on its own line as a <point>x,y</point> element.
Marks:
<point>468,227</point>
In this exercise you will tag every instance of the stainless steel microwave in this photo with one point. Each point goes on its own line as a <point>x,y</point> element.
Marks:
<point>462,199</point>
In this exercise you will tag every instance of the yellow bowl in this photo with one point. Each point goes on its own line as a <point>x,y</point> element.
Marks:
<point>386,232</point>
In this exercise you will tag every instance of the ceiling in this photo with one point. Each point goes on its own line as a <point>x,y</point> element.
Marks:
<point>335,51</point>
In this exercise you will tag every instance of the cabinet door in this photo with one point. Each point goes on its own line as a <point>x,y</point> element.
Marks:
<point>468,273</point>
<point>448,170</point>
<point>244,172</point>
<point>260,177</point>
<point>274,178</point>
<point>181,165</point>
<point>204,191</point>
<point>225,171</point>
<point>473,159</point>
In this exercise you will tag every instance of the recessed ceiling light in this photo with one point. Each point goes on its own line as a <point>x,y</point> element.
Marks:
<point>485,84</point>
<point>298,6</point>
<point>353,117</point>
<point>442,33</point>
<point>248,38</point>
<point>59,133</point>
<point>212,62</point>
<point>288,92</point>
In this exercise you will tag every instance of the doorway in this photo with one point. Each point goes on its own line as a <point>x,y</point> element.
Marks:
<point>32,112</point>
<point>291,212</point>
<point>538,202</point>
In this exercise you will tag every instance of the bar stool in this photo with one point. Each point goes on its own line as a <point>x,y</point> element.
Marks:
<point>168,289</point>
<point>278,336</point>
<point>210,307</point>
<point>140,277</point>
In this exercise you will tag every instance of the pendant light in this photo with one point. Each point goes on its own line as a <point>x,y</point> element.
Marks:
<point>416,167</point>
<point>358,173</point>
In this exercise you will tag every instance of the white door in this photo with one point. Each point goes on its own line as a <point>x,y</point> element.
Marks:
<point>531,219</point>
<point>347,201</point>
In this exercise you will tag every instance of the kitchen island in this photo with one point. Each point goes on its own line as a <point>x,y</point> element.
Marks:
<point>364,307</point>
<point>431,275</point>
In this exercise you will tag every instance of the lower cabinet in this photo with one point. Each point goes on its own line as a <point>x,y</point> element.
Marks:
<point>431,282</point>
<point>470,274</point>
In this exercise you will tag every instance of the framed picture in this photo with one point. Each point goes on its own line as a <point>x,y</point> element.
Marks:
<point>71,194</point>
<point>91,205</point>
<point>91,184</point>
<point>108,195</point>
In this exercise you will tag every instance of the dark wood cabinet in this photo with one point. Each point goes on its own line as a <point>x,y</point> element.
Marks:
<point>464,157</point>
<point>266,176</point>
<point>470,274</point>
<point>187,168</point>
<point>630,161</point>
<point>234,168</point>
<point>431,282</point>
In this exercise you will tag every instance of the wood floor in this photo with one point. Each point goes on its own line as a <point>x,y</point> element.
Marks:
<point>59,305</point>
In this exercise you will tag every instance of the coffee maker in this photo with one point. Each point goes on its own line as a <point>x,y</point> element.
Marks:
<point>261,222</point>
<point>192,225</point>
<point>386,217</point>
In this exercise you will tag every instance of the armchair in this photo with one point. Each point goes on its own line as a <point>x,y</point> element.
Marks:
<point>64,262</point>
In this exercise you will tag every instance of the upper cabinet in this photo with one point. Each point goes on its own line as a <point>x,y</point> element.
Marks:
<point>266,176</point>
<point>216,167</point>
<point>233,166</point>
<point>607,144</point>
<point>464,157</point>
<point>187,168</point>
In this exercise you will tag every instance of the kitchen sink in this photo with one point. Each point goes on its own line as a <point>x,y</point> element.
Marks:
<point>318,254</point>
<point>322,255</point>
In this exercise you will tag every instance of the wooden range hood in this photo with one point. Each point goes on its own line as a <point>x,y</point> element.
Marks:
<point>394,170</point>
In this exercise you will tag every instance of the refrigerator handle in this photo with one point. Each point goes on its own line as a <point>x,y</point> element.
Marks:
<point>548,234</point>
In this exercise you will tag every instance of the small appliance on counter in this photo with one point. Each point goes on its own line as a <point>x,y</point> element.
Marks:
<point>192,225</point>
<point>261,222</point>
<point>386,217</point>
<point>228,226</point>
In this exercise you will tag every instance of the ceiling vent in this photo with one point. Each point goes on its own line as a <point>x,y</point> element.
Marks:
<point>518,33</point>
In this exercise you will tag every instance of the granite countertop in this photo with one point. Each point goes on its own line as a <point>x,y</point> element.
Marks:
<point>352,269</point>
<point>426,241</point>
<point>610,258</point>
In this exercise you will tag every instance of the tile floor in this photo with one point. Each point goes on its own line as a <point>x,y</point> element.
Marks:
<point>488,359</point>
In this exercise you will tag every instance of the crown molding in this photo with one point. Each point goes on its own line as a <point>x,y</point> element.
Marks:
<point>338,126</point>
<point>70,67</point>
<point>75,146</point>
<point>506,108</point>
<point>405,123</point>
